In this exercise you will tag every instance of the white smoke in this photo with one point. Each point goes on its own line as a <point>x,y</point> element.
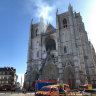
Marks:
<point>45,11</point>
<point>40,8</point>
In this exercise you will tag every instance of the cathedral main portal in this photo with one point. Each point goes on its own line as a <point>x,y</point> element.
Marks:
<point>50,72</point>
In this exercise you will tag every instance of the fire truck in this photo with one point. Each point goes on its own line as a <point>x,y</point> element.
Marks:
<point>38,84</point>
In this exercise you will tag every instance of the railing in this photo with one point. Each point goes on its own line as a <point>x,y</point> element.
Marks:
<point>68,94</point>
<point>18,93</point>
<point>77,94</point>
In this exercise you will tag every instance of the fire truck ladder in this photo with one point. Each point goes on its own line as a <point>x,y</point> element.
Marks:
<point>43,64</point>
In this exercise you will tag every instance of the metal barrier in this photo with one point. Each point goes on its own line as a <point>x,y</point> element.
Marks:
<point>70,94</point>
<point>16,94</point>
<point>48,94</point>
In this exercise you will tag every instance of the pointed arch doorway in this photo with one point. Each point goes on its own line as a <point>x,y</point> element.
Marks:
<point>69,76</point>
<point>71,79</point>
<point>50,72</point>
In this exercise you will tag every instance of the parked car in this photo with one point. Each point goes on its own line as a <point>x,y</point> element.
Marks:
<point>48,91</point>
<point>90,91</point>
<point>86,86</point>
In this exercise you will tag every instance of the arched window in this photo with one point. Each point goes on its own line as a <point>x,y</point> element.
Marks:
<point>64,23</point>
<point>65,49</point>
<point>36,32</point>
<point>50,45</point>
<point>37,53</point>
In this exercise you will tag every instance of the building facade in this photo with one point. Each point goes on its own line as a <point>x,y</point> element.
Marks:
<point>62,53</point>
<point>7,76</point>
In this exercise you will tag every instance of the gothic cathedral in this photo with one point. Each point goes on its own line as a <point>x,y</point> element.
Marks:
<point>63,53</point>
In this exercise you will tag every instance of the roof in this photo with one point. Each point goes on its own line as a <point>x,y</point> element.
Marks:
<point>51,86</point>
<point>7,69</point>
<point>50,27</point>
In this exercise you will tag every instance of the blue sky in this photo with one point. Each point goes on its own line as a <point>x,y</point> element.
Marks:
<point>15,19</point>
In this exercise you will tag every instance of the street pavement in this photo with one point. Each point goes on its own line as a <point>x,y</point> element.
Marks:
<point>33,94</point>
<point>17,94</point>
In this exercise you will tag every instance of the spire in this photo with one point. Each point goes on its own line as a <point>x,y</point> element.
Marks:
<point>32,21</point>
<point>57,12</point>
<point>70,8</point>
<point>69,5</point>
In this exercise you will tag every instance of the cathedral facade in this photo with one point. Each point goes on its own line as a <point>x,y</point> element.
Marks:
<point>63,53</point>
